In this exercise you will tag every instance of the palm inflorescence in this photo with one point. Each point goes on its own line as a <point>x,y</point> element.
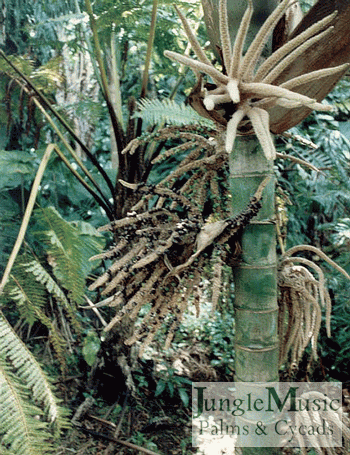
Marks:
<point>252,91</point>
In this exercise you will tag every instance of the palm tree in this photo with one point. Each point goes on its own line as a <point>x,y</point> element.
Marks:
<point>160,251</point>
<point>253,100</point>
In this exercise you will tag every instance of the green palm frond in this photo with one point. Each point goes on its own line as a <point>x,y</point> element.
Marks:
<point>29,410</point>
<point>168,111</point>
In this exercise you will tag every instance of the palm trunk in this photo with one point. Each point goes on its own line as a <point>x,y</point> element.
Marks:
<point>255,276</point>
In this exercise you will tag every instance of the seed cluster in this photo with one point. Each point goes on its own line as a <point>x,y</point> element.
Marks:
<point>160,254</point>
<point>303,296</point>
<point>158,265</point>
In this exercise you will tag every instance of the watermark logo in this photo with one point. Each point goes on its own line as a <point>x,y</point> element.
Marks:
<point>268,414</point>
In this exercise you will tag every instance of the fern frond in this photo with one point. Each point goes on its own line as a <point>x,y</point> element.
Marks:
<point>158,111</point>
<point>30,286</point>
<point>47,77</point>
<point>69,248</point>
<point>43,277</point>
<point>22,378</point>
<point>29,296</point>
<point>20,428</point>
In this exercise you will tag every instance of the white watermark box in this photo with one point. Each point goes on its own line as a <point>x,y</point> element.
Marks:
<point>274,414</point>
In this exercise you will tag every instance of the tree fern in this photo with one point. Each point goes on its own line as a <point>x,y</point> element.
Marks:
<point>156,111</point>
<point>30,414</point>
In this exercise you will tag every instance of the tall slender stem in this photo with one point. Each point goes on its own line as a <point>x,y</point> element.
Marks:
<point>145,77</point>
<point>27,215</point>
<point>118,131</point>
<point>255,276</point>
<point>116,98</point>
<point>115,80</point>
<point>149,49</point>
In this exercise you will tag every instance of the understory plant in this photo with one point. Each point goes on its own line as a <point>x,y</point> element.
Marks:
<point>44,278</point>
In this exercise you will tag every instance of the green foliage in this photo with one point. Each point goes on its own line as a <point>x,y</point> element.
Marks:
<point>43,277</point>
<point>48,280</point>
<point>18,165</point>
<point>92,344</point>
<point>23,63</point>
<point>30,296</point>
<point>142,441</point>
<point>170,383</point>
<point>216,333</point>
<point>27,288</point>
<point>307,4</point>
<point>55,266</point>
<point>59,275</point>
<point>340,98</point>
<point>131,21</point>
<point>68,247</point>
<point>14,20</point>
<point>317,198</point>
<point>158,111</point>
<point>48,76</point>
<point>9,222</point>
<point>18,113</point>
<point>30,413</point>
<point>341,235</point>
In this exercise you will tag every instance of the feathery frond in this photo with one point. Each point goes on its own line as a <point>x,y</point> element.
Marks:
<point>68,251</point>
<point>59,276</point>
<point>29,408</point>
<point>156,111</point>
